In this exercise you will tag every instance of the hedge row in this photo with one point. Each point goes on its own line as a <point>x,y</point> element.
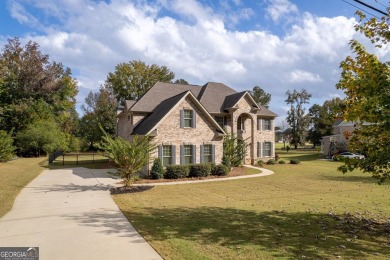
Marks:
<point>184,171</point>
<point>194,170</point>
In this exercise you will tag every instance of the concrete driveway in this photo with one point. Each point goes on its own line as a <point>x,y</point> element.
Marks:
<point>69,214</point>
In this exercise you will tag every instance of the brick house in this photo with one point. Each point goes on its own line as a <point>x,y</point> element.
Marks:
<point>188,122</point>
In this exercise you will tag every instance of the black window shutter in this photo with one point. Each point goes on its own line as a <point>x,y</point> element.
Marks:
<point>258,149</point>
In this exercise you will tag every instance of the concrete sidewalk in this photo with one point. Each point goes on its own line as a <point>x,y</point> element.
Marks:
<point>69,214</point>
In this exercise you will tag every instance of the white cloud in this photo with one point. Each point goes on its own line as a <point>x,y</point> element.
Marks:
<point>280,8</point>
<point>298,76</point>
<point>196,43</point>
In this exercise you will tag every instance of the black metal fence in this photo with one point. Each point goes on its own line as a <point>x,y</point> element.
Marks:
<point>77,158</point>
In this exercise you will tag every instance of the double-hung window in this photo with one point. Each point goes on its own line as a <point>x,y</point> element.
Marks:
<point>187,117</point>
<point>166,155</point>
<point>266,124</point>
<point>188,154</point>
<point>207,153</point>
<point>267,149</point>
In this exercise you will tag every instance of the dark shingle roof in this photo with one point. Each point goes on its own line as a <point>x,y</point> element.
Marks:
<point>266,112</point>
<point>147,125</point>
<point>160,92</point>
<point>213,95</point>
<point>232,100</point>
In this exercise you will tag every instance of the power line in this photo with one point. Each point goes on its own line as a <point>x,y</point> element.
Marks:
<point>381,4</point>
<point>360,9</point>
<point>371,7</point>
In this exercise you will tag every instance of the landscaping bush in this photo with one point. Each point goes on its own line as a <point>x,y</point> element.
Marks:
<point>271,162</point>
<point>200,170</point>
<point>176,171</point>
<point>220,170</point>
<point>213,168</point>
<point>260,163</point>
<point>157,171</point>
<point>295,161</point>
<point>282,162</point>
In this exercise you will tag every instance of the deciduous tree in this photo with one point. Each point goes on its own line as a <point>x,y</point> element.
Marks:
<point>296,116</point>
<point>366,82</point>
<point>132,79</point>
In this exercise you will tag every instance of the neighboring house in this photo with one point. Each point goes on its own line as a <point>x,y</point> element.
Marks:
<point>188,122</point>
<point>338,142</point>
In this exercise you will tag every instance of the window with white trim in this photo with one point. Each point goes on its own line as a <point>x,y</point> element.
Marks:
<point>188,154</point>
<point>207,153</point>
<point>187,117</point>
<point>166,155</point>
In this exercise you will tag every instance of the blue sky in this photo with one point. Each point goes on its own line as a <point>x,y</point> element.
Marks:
<point>279,45</point>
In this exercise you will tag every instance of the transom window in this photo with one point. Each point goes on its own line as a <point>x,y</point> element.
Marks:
<point>166,155</point>
<point>187,118</point>
<point>188,154</point>
<point>207,153</point>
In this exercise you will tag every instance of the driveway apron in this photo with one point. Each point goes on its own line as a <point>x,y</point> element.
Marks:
<point>69,214</point>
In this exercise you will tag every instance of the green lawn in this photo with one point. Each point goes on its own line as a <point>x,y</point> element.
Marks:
<point>308,210</point>
<point>14,175</point>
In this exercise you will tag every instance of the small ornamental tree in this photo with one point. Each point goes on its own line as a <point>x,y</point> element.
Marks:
<point>6,146</point>
<point>233,151</point>
<point>130,156</point>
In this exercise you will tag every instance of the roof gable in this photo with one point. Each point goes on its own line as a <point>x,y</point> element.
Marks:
<point>164,109</point>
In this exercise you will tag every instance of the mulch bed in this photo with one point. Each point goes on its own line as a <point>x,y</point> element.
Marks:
<point>129,189</point>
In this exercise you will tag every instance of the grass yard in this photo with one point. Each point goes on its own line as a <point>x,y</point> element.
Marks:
<point>302,211</point>
<point>14,175</point>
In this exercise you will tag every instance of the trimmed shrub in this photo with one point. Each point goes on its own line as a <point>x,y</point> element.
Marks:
<point>271,162</point>
<point>260,163</point>
<point>176,171</point>
<point>282,162</point>
<point>295,161</point>
<point>220,170</point>
<point>213,167</point>
<point>157,171</point>
<point>200,170</point>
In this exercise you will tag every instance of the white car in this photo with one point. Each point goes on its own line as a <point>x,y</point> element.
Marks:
<point>348,155</point>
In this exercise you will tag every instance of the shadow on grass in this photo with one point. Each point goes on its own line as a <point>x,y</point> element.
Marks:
<point>313,235</point>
